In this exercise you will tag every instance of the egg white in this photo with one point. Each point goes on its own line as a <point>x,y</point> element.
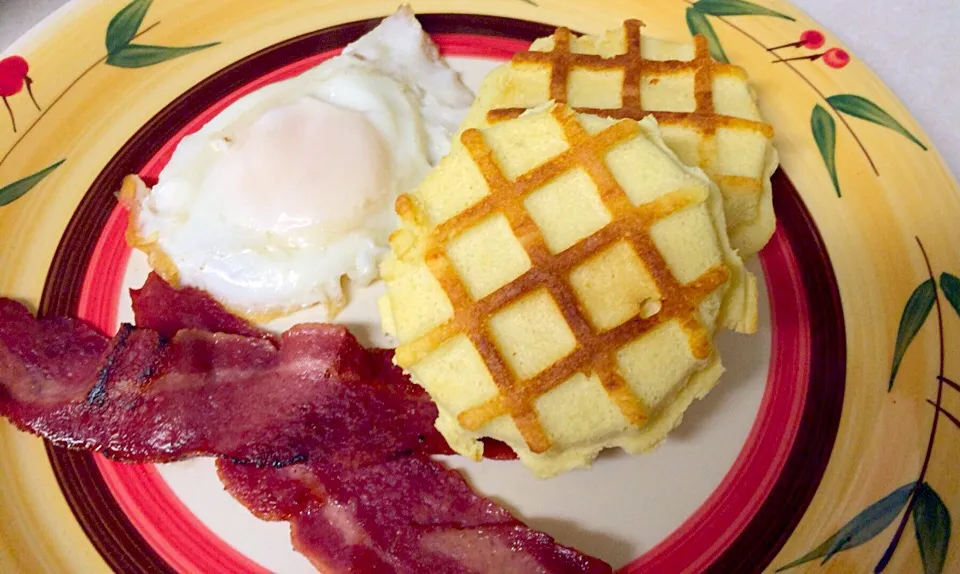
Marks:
<point>199,231</point>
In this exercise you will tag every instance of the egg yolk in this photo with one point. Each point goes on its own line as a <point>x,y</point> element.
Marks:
<point>305,172</point>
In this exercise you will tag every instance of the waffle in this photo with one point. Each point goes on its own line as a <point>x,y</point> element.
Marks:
<point>556,283</point>
<point>706,109</point>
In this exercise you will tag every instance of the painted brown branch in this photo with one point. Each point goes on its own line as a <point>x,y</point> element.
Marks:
<point>895,541</point>
<point>945,413</point>
<point>13,120</point>
<point>29,83</point>
<point>812,58</point>
<point>799,74</point>
<point>949,383</point>
<point>63,93</point>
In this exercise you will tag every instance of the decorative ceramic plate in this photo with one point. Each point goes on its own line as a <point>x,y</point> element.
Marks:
<point>831,443</point>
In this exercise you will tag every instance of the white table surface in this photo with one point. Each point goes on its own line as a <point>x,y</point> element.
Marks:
<point>912,46</point>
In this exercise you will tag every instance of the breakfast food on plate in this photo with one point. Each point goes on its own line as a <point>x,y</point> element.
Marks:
<point>373,500</point>
<point>707,111</point>
<point>139,397</point>
<point>407,516</point>
<point>291,188</point>
<point>556,283</point>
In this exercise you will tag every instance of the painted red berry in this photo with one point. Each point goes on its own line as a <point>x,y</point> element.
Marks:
<point>812,39</point>
<point>836,58</point>
<point>13,71</point>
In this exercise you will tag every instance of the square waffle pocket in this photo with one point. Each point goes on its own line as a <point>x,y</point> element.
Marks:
<point>707,111</point>
<point>556,284</point>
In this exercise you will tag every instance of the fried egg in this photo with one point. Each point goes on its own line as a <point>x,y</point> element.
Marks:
<point>291,188</point>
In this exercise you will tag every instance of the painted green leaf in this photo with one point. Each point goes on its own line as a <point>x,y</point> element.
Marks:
<point>860,107</point>
<point>141,56</point>
<point>915,312</point>
<point>124,25</point>
<point>15,190</point>
<point>736,8</point>
<point>950,285</point>
<point>825,134</point>
<point>931,520</point>
<point>864,526</point>
<point>698,24</point>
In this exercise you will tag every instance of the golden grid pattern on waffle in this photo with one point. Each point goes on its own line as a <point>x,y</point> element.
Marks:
<point>594,352</point>
<point>561,61</point>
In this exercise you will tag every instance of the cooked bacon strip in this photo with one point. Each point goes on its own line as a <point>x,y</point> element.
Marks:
<point>367,501</point>
<point>142,398</point>
<point>410,515</point>
<point>163,308</point>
